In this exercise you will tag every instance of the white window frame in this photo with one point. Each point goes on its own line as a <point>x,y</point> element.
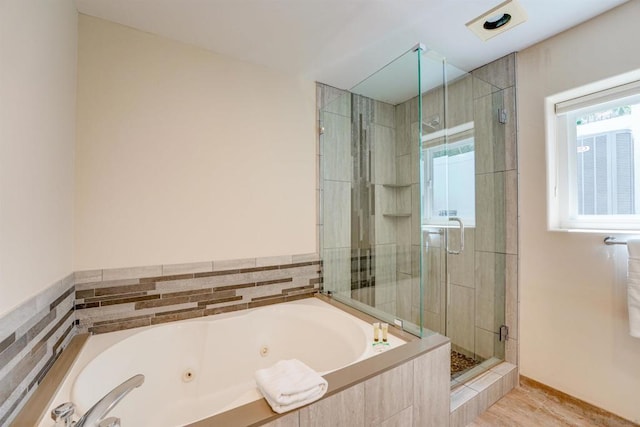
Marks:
<point>561,167</point>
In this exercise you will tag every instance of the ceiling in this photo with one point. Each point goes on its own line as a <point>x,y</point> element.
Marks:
<point>341,42</point>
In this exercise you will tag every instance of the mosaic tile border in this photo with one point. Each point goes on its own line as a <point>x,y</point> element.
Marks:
<point>112,300</point>
<point>33,335</point>
<point>32,338</point>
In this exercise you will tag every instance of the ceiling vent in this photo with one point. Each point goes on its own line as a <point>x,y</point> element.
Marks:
<point>498,20</point>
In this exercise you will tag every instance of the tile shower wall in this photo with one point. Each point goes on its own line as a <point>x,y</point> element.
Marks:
<point>496,240</point>
<point>32,337</point>
<point>369,200</point>
<point>407,192</point>
<point>116,299</point>
<point>335,173</point>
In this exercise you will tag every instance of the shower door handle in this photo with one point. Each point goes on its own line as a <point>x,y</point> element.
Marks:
<point>461,225</point>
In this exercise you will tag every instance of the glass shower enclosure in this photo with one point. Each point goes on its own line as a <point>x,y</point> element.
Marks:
<point>403,199</point>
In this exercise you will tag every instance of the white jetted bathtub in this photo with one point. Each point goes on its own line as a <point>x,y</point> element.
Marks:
<point>198,368</point>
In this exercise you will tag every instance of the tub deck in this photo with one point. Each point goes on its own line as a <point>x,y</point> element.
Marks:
<point>344,380</point>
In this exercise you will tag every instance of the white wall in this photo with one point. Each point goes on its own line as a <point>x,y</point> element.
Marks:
<point>573,330</point>
<point>37,133</point>
<point>184,155</point>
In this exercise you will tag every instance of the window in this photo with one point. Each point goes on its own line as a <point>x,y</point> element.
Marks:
<point>449,175</point>
<point>593,153</point>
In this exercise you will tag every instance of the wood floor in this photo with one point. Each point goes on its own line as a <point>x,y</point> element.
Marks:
<point>536,405</point>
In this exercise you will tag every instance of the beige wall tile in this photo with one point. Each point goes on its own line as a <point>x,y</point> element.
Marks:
<point>432,107</point>
<point>511,351</point>
<point>310,257</point>
<point>511,160</point>
<point>342,409</point>
<point>385,226</point>
<point>337,163</point>
<point>273,260</point>
<point>416,220</point>
<point>404,296</point>
<point>404,168</point>
<point>131,273</point>
<point>404,258</point>
<point>466,413</point>
<point>461,322</point>
<point>433,321</point>
<point>510,380</point>
<point>233,264</point>
<point>87,276</point>
<point>431,388</point>
<point>484,117</point>
<point>511,211</point>
<point>192,267</point>
<point>335,100</point>
<point>489,388</point>
<point>511,295</point>
<point>490,289</point>
<point>503,368</point>
<point>461,395</point>
<point>460,101</point>
<point>388,394</point>
<point>403,123</point>
<point>384,114</point>
<point>432,279</point>
<point>462,266</point>
<point>337,214</point>
<point>385,263</point>
<point>384,155</point>
<point>290,420</point>
<point>500,73</point>
<point>403,418</point>
<point>404,200</point>
<point>485,343</point>
<point>486,221</point>
<point>337,270</point>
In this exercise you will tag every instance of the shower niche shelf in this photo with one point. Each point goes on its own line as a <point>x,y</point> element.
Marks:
<point>396,185</point>
<point>397,214</point>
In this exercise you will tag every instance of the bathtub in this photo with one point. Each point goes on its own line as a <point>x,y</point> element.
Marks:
<point>197,368</point>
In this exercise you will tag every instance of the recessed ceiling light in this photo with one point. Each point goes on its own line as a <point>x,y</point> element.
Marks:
<point>498,20</point>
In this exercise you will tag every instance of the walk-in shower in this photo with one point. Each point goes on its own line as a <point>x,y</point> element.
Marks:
<point>411,221</point>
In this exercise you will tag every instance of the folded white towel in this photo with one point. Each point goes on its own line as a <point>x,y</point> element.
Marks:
<point>290,384</point>
<point>633,286</point>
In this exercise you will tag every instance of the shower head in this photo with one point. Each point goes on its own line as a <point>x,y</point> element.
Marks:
<point>432,122</point>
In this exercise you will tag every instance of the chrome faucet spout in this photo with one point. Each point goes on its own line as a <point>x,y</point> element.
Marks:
<point>99,411</point>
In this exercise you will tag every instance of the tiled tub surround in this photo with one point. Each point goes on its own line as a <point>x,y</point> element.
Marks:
<point>222,351</point>
<point>32,337</point>
<point>405,386</point>
<point>111,300</point>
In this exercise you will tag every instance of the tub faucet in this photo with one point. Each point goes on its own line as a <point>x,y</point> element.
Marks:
<point>95,416</point>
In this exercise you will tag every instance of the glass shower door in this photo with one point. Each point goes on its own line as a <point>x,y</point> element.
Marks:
<point>464,284</point>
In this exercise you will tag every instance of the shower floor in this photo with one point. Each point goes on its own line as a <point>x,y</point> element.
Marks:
<point>461,363</point>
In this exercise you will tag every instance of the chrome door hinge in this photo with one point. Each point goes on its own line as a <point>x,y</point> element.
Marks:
<point>503,333</point>
<point>502,116</point>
